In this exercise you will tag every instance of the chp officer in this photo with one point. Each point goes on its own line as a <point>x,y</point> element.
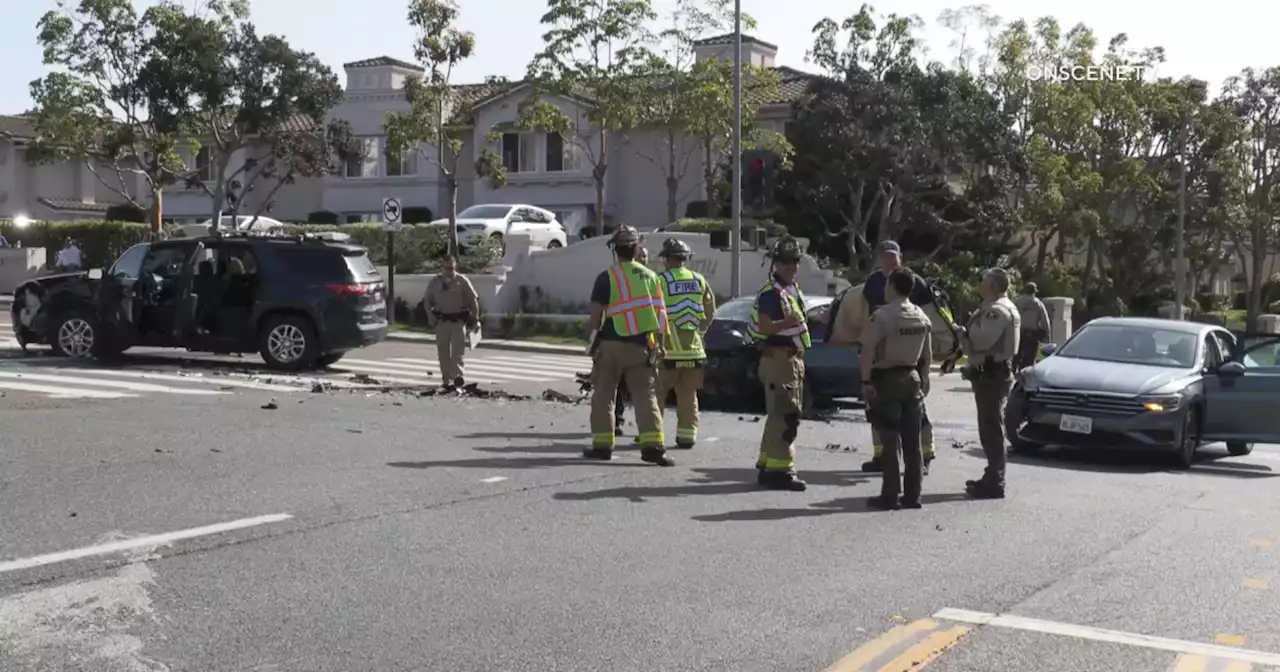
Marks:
<point>1035,325</point>
<point>779,326</point>
<point>631,320</point>
<point>690,307</point>
<point>990,342</point>
<point>897,352</point>
<point>453,308</point>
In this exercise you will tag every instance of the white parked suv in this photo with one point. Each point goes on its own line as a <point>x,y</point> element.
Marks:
<point>481,222</point>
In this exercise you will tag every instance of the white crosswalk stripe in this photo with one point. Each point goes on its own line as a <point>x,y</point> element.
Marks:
<point>488,367</point>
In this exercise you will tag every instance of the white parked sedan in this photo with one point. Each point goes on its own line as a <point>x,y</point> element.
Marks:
<point>241,223</point>
<point>496,222</point>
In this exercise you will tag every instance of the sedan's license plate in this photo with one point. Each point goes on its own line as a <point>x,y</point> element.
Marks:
<point>1076,424</point>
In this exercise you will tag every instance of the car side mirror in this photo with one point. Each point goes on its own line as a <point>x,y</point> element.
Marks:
<point>1048,349</point>
<point>95,274</point>
<point>1231,370</point>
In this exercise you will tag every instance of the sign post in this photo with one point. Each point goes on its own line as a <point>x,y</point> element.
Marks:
<point>391,213</point>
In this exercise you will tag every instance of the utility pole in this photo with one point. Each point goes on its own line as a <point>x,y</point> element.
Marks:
<point>1180,245</point>
<point>735,272</point>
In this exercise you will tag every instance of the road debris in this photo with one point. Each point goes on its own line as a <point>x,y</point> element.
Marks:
<point>270,405</point>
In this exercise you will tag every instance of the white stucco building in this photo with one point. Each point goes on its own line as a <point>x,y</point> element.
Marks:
<point>550,172</point>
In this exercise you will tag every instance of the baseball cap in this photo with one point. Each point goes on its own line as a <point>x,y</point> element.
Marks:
<point>888,246</point>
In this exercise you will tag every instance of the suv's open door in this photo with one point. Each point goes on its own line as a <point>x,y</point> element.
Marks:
<point>1241,396</point>
<point>185,303</point>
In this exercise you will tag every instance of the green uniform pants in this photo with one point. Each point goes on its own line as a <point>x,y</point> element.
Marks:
<point>990,394</point>
<point>782,373</point>
<point>926,436</point>
<point>896,414</point>
<point>686,382</point>
<point>451,346</point>
<point>616,361</point>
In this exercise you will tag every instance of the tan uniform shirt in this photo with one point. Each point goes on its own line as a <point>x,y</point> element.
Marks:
<point>452,296</point>
<point>1032,312</point>
<point>993,330</point>
<point>851,319</point>
<point>897,336</point>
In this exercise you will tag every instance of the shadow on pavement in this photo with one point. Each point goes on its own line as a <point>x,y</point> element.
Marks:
<point>552,436</point>
<point>835,506</point>
<point>715,482</point>
<point>556,455</point>
<point>1122,461</point>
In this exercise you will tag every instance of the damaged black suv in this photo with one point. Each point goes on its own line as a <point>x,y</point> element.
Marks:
<point>299,301</point>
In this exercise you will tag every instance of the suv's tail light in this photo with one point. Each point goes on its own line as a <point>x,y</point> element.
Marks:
<point>348,290</point>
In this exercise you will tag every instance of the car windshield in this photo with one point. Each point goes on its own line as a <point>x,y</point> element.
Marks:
<point>485,212</point>
<point>1132,344</point>
<point>739,309</point>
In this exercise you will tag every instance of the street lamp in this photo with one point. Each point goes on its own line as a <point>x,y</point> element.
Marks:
<point>735,267</point>
<point>1180,266</point>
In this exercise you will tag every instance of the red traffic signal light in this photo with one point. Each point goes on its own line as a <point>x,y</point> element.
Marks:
<point>756,165</point>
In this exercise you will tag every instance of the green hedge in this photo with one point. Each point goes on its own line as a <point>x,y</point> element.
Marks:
<point>419,249</point>
<point>100,242</point>
<point>706,225</point>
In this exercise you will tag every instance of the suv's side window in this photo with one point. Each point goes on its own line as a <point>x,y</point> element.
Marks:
<point>237,260</point>
<point>129,265</point>
<point>167,262</point>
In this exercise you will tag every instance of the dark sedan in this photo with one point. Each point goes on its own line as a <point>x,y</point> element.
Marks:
<point>731,377</point>
<point>1164,385</point>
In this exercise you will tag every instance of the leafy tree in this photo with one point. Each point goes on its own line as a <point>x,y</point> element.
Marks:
<point>887,149</point>
<point>258,111</point>
<point>440,114</point>
<point>593,58</point>
<point>95,108</point>
<point>974,27</point>
<point>1252,97</point>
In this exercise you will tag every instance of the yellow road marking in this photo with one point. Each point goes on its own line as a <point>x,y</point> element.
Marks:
<point>868,652</point>
<point>1189,663</point>
<point>1199,663</point>
<point>1258,584</point>
<point>921,654</point>
<point>1261,543</point>
<point>1229,639</point>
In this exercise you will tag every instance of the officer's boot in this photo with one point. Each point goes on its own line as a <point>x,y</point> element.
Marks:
<point>882,503</point>
<point>782,480</point>
<point>987,487</point>
<point>598,453</point>
<point>656,455</point>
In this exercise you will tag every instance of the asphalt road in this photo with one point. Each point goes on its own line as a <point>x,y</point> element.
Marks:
<point>355,529</point>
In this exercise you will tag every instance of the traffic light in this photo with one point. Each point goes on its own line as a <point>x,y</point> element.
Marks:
<point>756,182</point>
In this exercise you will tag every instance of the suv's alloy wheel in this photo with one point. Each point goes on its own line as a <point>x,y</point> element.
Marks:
<point>76,337</point>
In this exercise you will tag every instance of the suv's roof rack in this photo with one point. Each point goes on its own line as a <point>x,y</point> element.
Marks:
<point>326,236</point>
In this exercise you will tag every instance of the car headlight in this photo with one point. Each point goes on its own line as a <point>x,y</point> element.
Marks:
<point>1157,404</point>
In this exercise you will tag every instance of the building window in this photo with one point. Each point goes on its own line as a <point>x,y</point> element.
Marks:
<point>366,164</point>
<point>518,152</point>
<point>402,164</point>
<point>561,155</point>
<point>201,167</point>
<point>362,217</point>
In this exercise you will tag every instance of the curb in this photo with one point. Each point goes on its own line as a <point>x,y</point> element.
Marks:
<point>497,344</point>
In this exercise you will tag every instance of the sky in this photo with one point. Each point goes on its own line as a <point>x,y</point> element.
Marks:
<point>1209,42</point>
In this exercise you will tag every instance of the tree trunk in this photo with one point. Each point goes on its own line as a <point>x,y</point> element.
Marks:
<point>1042,256</point>
<point>673,180</point>
<point>601,169</point>
<point>157,211</point>
<point>708,175</point>
<point>1257,278</point>
<point>451,205</point>
<point>1086,277</point>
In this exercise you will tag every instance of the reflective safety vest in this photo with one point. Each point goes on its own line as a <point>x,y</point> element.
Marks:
<point>798,334</point>
<point>685,313</point>
<point>635,300</point>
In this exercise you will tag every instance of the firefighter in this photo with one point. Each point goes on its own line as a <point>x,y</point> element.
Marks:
<point>690,307</point>
<point>779,327</point>
<point>630,319</point>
